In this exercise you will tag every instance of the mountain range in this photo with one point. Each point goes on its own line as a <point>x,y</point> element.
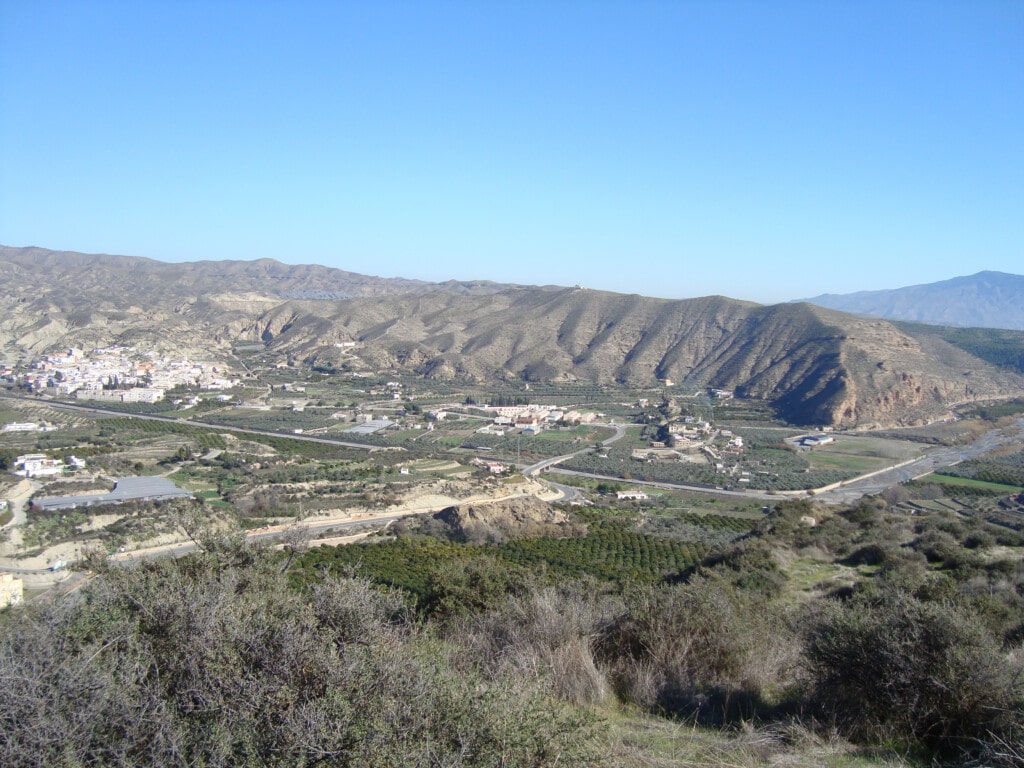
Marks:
<point>815,365</point>
<point>984,300</point>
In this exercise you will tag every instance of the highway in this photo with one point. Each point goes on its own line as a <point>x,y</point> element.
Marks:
<point>201,424</point>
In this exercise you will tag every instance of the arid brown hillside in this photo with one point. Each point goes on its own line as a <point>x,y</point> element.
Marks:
<point>53,271</point>
<point>51,299</point>
<point>815,365</point>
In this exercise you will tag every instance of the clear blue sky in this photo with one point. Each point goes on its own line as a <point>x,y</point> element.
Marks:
<point>760,150</point>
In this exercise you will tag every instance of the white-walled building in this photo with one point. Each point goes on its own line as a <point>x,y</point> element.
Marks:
<point>37,465</point>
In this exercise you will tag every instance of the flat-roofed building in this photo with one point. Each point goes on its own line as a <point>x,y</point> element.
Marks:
<point>127,489</point>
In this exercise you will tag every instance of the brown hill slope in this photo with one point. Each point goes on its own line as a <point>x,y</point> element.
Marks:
<point>59,298</point>
<point>50,271</point>
<point>816,365</point>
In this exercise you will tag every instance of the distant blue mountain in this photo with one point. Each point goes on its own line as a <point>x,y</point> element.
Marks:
<point>984,300</point>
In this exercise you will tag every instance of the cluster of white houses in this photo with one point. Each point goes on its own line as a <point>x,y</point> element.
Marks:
<point>41,465</point>
<point>531,419</point>
<point>119,374</point>
<point>133,395</point>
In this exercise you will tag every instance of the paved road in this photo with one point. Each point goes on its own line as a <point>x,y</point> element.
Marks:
<point>201,424</point>
<point>758,495</point>
<point>533,469</point>
<point>569,493</point>
<point>934,459</point>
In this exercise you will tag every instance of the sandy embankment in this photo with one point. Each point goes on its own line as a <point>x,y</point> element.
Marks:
<point>414,505</point>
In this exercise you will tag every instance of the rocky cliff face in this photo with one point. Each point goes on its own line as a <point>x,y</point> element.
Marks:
<point>815,365</point>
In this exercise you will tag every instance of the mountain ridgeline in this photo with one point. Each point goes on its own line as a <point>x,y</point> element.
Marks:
<point>815,365</point>
<point>984,300</point>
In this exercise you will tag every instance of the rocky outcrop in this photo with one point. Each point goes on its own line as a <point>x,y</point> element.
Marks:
<point>521,518</point>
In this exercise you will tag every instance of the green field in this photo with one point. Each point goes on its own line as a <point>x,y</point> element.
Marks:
<point>862,454</point>
<point>964,482</point>
<point>584,433</point>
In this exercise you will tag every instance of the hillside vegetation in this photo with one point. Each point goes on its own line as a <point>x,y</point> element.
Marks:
<point>872,631</point>
<point>1002,348</point>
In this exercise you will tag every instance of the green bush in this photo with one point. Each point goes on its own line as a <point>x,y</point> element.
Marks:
<point>894,667</point>
<point>213,661</point>
<point>701,649</point>
<point>459,588</point>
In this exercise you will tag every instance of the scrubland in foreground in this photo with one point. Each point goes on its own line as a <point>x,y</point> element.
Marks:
<point>905,648</point>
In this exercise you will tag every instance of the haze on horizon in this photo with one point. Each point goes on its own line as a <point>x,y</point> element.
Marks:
<point>761,151</point>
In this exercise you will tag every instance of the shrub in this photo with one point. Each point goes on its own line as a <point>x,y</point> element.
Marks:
<point>546,636</point>
<point>750,564</point>
<point>979,540</point>
<point>897,667</point>
<point>213,661</point>
<point>700,648</point>
<point>460,588</point>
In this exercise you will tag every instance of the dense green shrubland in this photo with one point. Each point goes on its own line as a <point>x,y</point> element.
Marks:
<point>498,654</point>
<point>213,661</point>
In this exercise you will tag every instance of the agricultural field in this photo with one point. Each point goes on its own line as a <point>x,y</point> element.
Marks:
<point>1005,468</point>
<point>767,461</point>
<point>952,432</point>
<point>966,484</point>
<point>438,467</point>
<point>749,413</point>
<point>275,420</point>
<point>861,454</point>
<point>768,468</point>
<point>611,551</point>
<point>966,500</point>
